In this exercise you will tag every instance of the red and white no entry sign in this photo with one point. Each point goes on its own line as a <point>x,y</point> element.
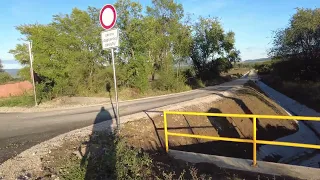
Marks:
<point>108,16</point>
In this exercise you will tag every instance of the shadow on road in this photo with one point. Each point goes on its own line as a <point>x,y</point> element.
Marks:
<point>99,152</point>
<point>98,157</point>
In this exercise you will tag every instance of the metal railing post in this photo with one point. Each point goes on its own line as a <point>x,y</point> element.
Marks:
<point>254,140</point>
<point>166,130</point>
<point>254,127</point>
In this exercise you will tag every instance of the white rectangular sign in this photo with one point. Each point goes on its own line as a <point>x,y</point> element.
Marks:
<point>110,39</point>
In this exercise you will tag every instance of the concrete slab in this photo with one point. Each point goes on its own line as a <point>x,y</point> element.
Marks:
<point>309,132</point>
<point>245,165</point>
<point>291,105</point>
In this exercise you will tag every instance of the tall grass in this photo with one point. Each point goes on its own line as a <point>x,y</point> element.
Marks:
<point>25,100</point>
<point>305,92</point>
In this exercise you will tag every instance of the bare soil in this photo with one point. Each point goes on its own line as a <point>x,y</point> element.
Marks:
<point>149,134</point>
<point>71,154</point>
<point>14,89</point>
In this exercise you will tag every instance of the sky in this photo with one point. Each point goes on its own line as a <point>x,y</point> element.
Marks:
<point>253,21</point>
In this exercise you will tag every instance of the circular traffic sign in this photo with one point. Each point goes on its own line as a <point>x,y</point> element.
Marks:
<point>108,16</point>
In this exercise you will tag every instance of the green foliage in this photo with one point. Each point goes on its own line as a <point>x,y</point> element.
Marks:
<point>213,50</point>
<point>5,78</point>
<point>169,82</point>
<point>69,60</point>
<point>24,73</point>
<point>138,73</point>
<point>21,53</point>
<point>263,68</point>
<point>297,46</point>
<point>66,51</point>
<point>191,79</point>
<point>25,100</point>
<point>307,93</point>
<point>109,157</point>
<point>44,92</point>
<point>72,172</point>
<point>131,163</point>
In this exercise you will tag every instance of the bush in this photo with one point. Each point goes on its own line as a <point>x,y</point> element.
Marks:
<point>138,72</point>
<point>24,73</point>
<point>109,158</point>
<point>168,81</point>
<point>44,92</point>
<point>5,78</point>
<point>264,68</point>
<point>191,79</point>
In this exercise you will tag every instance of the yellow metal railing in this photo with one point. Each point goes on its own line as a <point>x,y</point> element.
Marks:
<point>254,140</point>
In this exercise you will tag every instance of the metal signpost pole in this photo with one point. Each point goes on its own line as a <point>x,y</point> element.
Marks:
<point>110,40</point>
<point>115,89</point>
<point>32,75</point>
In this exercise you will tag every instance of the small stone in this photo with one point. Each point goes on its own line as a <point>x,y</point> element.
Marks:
<point>77,154</point>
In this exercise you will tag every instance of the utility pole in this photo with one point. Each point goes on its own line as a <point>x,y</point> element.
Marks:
<point>32,74</point>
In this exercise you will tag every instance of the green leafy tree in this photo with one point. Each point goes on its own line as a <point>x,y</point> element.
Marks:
<point>164,17</point>
<point>21,54</point>
<point>132,51</point>
<point>69,60</point>
<point>4,76</point>
<point>213,50</point>
<point>298,46</point>
<point>67,52</point>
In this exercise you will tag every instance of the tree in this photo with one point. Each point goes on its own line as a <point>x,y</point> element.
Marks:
<point>298,46</point>
<point>164,17</point>
<point>133,48</point>
<point>213,50</point>
<point>69,60</point>
<point>4,76</point>
<point>67,52</point>
<point>181,49</point>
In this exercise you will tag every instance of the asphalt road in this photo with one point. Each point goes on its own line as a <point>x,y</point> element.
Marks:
<point>20,131</point>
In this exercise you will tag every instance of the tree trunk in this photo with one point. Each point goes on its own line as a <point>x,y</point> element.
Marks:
<point>178,69</point>
<point>132,53</point>
<point>153,75</point>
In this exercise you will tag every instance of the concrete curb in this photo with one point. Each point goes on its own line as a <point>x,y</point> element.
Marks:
<point>245,165</point>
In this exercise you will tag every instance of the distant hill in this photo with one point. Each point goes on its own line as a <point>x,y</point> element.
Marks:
<point>256,60</point>
<point>12,72</point>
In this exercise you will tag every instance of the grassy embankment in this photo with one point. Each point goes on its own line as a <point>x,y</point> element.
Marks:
<point>26,100</point>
